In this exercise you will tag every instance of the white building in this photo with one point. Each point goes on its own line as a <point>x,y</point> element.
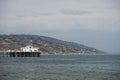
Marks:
<point>29,49</point>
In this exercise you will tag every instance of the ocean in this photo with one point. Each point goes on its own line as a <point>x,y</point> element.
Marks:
<point>61,67</point>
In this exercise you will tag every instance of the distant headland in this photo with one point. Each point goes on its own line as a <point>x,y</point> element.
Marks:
<point>44,44</point>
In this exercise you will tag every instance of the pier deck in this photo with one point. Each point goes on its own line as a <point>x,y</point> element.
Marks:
<point>20,54</point>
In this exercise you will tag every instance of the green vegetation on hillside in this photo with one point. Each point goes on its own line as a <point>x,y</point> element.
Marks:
<point>45,44</point>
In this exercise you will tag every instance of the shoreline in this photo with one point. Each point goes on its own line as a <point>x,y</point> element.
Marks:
<point>74,54</point>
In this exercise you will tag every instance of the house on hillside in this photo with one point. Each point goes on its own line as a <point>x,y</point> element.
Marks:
<point>29,49</point>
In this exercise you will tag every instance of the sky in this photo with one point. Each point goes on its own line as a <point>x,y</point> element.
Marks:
<point>93,23</point>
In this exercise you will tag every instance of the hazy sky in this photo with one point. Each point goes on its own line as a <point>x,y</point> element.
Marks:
<point>91,22</point>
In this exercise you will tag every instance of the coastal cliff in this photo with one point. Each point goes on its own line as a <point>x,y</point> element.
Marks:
<point>45,44</point>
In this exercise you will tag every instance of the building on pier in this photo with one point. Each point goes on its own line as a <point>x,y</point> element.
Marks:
<point>29,49</point>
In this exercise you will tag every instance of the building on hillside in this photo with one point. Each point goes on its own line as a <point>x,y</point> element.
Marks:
<point>29,49</point>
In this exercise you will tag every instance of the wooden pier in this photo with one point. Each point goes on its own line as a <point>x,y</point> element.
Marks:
<point>20,54</point>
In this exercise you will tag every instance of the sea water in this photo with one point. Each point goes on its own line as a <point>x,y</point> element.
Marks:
<point>61,67</point>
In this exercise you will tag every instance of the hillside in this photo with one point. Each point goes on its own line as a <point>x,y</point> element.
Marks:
<point>45,44</point>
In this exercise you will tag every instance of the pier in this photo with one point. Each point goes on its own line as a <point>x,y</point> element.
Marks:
<point>19,54</point>
<point>27,51</point>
